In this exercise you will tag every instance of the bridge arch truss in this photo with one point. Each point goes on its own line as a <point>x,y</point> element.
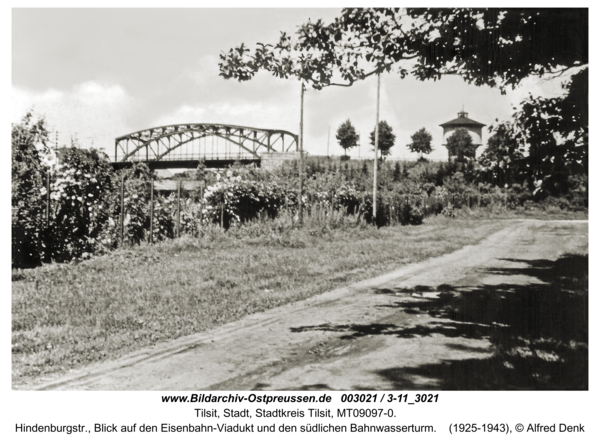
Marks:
<point>162,143</point>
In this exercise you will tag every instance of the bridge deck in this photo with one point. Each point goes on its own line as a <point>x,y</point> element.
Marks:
<point>214,163</point>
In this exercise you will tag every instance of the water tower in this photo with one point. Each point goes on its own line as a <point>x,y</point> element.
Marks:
<point>463,121</point>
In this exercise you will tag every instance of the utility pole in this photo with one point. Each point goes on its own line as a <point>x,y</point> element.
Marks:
<point>121,218</point>
<point>150,237</point>
<point>48,199</point>
<point>376,145</point>
<point>178,208</point>
<point>302,88</point>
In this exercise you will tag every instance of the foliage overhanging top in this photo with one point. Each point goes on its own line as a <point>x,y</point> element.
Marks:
<point>494,46</point>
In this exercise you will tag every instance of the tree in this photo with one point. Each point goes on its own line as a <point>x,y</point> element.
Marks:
<point>502,151</point>
<point>497,47</point>
<point>550,135</point>
<point>460,146</point>
<point>492,46</point>
<point>421,142</point>
<point>347,136</point>
<point>387,138</point>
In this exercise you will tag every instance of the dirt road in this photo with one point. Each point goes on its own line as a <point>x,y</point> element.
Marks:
<point>403,330</point>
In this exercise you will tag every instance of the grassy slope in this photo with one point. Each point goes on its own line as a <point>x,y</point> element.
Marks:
<point>65,316</point>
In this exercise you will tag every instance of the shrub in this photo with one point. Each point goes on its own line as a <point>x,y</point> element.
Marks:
<point>455,184</point>
<point>29,173</point>
<point>415,216</point>
<point>241,200</point>
<point>448,211</point>
<point>81,191</point>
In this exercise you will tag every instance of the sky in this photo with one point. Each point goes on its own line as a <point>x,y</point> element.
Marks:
<point>97,74</point>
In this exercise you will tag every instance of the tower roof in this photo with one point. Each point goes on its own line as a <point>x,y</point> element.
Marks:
<point>462,120</point>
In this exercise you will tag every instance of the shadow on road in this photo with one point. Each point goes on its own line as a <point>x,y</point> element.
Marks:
<point>315,387</point>
<point>539,331</point>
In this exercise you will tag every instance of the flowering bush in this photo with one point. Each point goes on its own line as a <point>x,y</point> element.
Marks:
<point>81,191</point>
<point>240,200</point>
<point>440,193</point>
<point>347,196</point>
<point>415,215</point>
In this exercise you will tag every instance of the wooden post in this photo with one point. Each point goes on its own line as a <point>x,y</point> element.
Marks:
<point>48,200</point>
<point>122,217</point>
<point>222,209</point>
<point>178,208</point>
<point>286,201</point>
<point>150,237</point>
<point>376,145</point>
<point>201,201</point>
<point>361,207</point>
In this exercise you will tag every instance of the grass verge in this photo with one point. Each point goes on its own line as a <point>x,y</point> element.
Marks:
<point>69,315</point>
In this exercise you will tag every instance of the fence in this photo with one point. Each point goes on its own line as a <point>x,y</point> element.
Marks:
<point>392,208</point>
<point>135,210</point>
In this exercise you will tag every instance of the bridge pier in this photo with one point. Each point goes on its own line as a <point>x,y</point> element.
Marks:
<point>274,160</point>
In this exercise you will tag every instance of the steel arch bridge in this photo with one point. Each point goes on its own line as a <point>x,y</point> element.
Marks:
<point>185,145</point>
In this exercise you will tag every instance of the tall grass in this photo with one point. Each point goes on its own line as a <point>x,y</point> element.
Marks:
<point>501,211</point>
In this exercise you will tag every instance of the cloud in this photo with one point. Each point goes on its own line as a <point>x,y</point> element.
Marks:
<point>23,101</point>
<point>235,113</point>
<point>94,113</point>
<point>95,94</point>
<point>183,114</point>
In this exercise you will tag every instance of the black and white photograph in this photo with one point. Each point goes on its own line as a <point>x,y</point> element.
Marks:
<point>388,202</point>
